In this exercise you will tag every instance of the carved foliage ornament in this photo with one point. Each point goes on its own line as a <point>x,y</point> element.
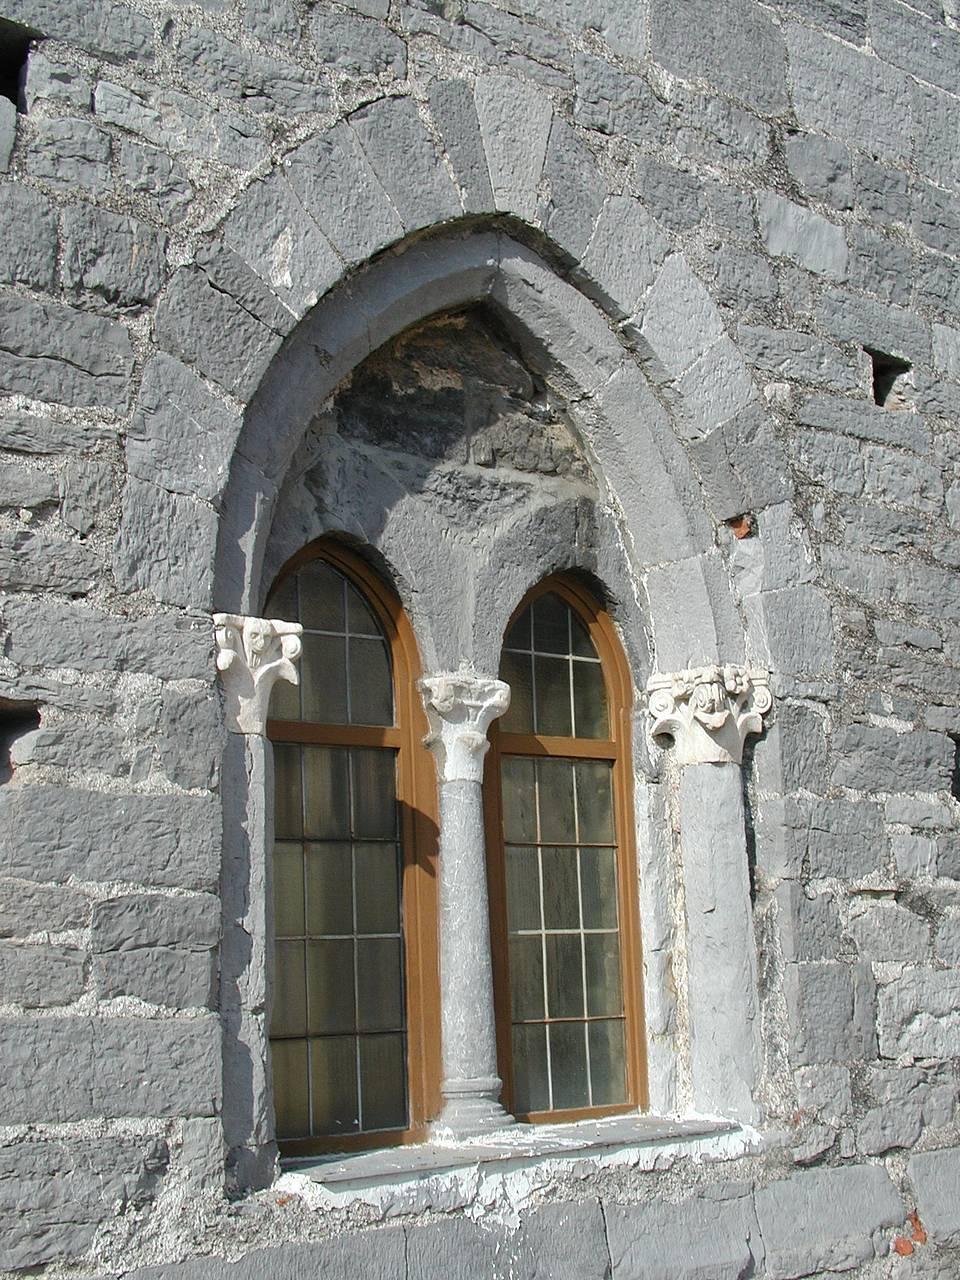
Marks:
<point>460,707</point>
<point>709,711</point>
<point>252,655</point>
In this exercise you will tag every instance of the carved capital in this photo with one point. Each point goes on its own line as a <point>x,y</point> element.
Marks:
<point>252,655</point>
<point>708,711</point>
<point>460,707</point>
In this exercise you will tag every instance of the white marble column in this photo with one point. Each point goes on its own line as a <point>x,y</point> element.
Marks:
<point>708,712</point>
<point>460,707</point>
<point>252,654</point>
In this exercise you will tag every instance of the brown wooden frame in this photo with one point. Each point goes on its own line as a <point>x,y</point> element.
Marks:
<point>619,690</point>
<point>416,797</point>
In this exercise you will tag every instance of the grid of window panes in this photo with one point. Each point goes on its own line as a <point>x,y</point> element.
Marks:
<point>345,666</point>
<point>554,674</point>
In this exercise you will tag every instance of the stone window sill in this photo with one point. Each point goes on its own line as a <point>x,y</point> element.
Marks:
<point>498,1167</point>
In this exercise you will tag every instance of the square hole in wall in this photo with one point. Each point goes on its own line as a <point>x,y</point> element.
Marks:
<point>15,42</point>
<point>16,719</point>
<point>892,385</point>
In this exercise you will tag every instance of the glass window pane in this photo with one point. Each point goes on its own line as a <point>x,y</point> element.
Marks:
<point>556,802</point>
<point>288,1015</point>
<point>323,679</point>
<point>589,701</point>
<point>607,1063</point>
<point>360,618</point>
<point>581,644</point>
<point>595,801</point>
<point>289,1062</point>
<point>327,799</point>
<point>553,696</point>
<point>334,1085</point>
<point>516,670</point>
<point>285,701</point>
<point>288,807</point>
<point>282,601</point>
<point>519,800</point>
<point>602,957</point>
<point>371,693</point>
<point>379,984</point>
<point>288,890</point>
<point>321,597</point>
<point>550,626</point>
<point>518,637</point>
<point>383,1082</point>
<point>568,1064</point>
<point>330,986</point>
<point>564,975</point>
<point>378,888</point>
<point>329,889</point>
<point>523,888</point>
<point>598,888</point>
<point>561,899</point>
<point>530,1088</point>
<point>374,793</point>
<point>526,977</point>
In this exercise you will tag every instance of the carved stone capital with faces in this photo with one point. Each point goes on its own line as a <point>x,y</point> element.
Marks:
<point>709,711</point>
<point>460,707</point>
<point>252,655</point>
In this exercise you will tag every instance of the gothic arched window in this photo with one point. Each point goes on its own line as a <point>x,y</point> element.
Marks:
<point>562,865</point>
<point>354,912</point>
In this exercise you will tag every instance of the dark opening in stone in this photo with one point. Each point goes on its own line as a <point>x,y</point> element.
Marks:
<point>15,41</point>
<point>16,719</point>
<point>889,381</point>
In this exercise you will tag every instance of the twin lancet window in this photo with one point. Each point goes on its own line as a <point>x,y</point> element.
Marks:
<point>355,1025</point>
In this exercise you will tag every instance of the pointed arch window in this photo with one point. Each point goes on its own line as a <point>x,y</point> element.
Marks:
<point>353,1003</point>
<point>562,864</point>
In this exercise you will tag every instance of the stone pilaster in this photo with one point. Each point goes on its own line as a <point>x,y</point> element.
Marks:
<point>460,708</point>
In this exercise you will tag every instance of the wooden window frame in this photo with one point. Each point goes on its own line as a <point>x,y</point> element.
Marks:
<point>617,749</point>
<point>417,802</point>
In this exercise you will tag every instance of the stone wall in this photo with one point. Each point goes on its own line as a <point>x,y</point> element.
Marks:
<point>712,237</point>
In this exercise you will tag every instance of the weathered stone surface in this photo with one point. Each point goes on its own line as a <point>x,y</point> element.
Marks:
<point>568,1241</point>
<point>22,486</point>
<point>73,746</point>
<point>887,931</point>
<point>356,46</point>
<point>36,976</point>
<point>830,1008</point>
<point>8,132</point>
<point>115,259</point>
<point>47,634</point>
<point>159,975</point>
<point>604,273</point>
<point>901,479</point>
<point>55,353</point>
<point>919,1014</point>
<point>936,1179</point>
<point>713,1235</point>
<point>101,27</point>
<point>515,125</point>
<point>828,1219</point>
<point>86,491</point>
<point>809,926</point>
<point>28,238</point>
<point>118,1066</point>
<point>69,154</point>
<point>138,920</point>
<point>157,179</point>
<point>33,562</point>
<point>576,189</point>
<point>403,156</point>
<point>273,20</point>
<point>258,80</point>
<point>822,167</point>
<point>851,317</point>
<point>718,132</point>
<point>790,231</point>
<point>191,738</point>
<point>54,833</point>
<point>27,907</point>
<point>928,50</point>
<point>876,759</point>
<point>798,356</point>
<point>865,421</point>
<point>459,1245</point>
<point>47,79</point>
<point>740,51</point>
<point>680,321</point>
<point>166,545</point>
<point>613,102</point>
<point>793,627</point>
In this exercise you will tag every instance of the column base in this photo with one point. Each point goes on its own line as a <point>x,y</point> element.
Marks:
<point>472,1107</point>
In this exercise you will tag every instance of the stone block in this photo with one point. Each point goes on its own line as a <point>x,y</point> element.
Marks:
<point>719,133</point>
<point>159,975</point>
<point>26,907</point>
<point>60,354</point>
<point>614,102</point>
<point>75,747</point>
<point>902,480</point>
<point>829,460</point>
<point>157,179</point>
<point>887,931</point>
<point>70,154</point>
<point>8,132</point>
<point>791,231</point>
<point>118,1067</point>
<point>354,46</point>
<point>824,1092</point>
<point>714,389</point>
<point>827,1219</point>
<point>575,187</point>
<point>896,331</point>
<point>567,1241</point>
<point>676,199</point>
<point>34,562</point>
<point>457,1246</point>
<point>798,356</point>
<point>822,167</point>
<point>740,51</point>
<point>616,280</point>
<point>454,112</point>
<point>35,976</point>
<point>86,491</point>
<point>870,758</point>
<point>58,832</point>
<point>946,942</point>
<point>28,487</point>
<point>865,421</point>
<point>114,259</point>
<point>936,1179</point>
<point>402,154</point>
<point>883,265</point>
<point>140,920</point>
<point>936,217</point>
<point>876,579</point>
<point>337,187</point>
<point>914,855</point>
<point>830,1010</point>
<point>103,27</point>
<point>918,1014</point>
<point>809,925</point>
<point>47,79</point>
<point>713,1235</point>
<point>515,120</point>
<point>946,351</point>
<point>28,238</point>
<point>793,629</point>
<point>191,739</point>
<point>166,545</point>
<point>50,634</point>
<point>928,50</point>
<point>844,18</point>
<point>680,320</point>
<point>211,331</point>
<point>259,81</point>
<point>933,150</point>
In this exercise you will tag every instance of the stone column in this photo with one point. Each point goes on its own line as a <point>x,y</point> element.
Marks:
<point>708,712</point>
<point>460,707</point>
<point>252,654</point>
